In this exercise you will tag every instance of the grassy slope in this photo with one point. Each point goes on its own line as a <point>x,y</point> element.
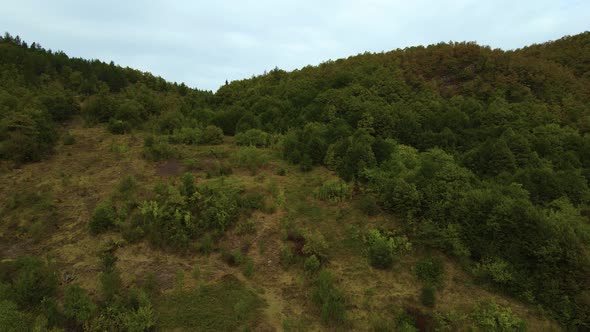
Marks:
<point>63,192</point>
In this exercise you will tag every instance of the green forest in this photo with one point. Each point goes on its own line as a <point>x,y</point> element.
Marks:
<point>430,188</point>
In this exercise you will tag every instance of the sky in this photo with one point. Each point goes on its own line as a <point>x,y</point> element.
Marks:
<point>205,43</point>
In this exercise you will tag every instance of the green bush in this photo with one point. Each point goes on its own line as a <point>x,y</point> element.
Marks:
<point>311,264</point>
<point>428,296</point>
<point>430,271</point>
<point>329,299</point>
<point>77,304</point>
<point>186,135</point>
<point>383,249</point>
<point>69,139</point>
<point>253,137</point>
<point>118,127</point>
<point>489,316</point>
<point>157,148</point>
<point>249,157</point>
<point>315,244</point>
<point>11,319</point>
<point>287,257</point>
<point>368,205</point>
<point>32,280</point>
<point>211,135</point>
<point>110,284</point>
<point>141,320</point>
<point>103,218</point>
<point>334,191</point>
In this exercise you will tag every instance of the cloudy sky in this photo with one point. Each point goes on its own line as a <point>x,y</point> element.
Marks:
<point>203,43</point>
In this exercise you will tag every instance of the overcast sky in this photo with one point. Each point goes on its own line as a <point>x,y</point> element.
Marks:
<point>203,43</point>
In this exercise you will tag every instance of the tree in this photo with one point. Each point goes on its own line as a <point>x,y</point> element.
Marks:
<point>77,304</point>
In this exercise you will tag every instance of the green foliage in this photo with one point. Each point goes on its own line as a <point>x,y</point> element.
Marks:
<point>311,264</point>
<point>329,299</point>
<point>428,296</point>
<point>103,218</point>
<point>334,191</point>
<point>368,205</point>
<point>253,137</point>
<point>26,135</point>
<point>492,317</point>
<point>430,271</point>
<point>11,319</point>
<point>141,320</point>
<point>31,280</point>
<point>382,249</point>
<point>211,135</point>
<point>68,139</point>
<point>157,148</point>
<point>77,304</point>
<point>316,245</point>
<point>110,284</point>
<point>250,157</point>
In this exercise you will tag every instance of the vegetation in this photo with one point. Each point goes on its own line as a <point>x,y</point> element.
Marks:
<point>479,156</point>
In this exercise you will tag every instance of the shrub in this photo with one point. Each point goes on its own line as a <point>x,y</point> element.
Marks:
<point>382,249</point>
<point>157,148</point>
<point>77,304</point>
<point>368,205</point>
<point>118,126</point>
<point>430,271</point>
<point>140,320</point>
<point>33,280</point>
<point>11,319</point>
<point>248,268</point>
<point>329,299</point>
<point>333,191</point>
<point>249,157</point>
<point>315,244</point>
<point>311,264</point>
<point>110,284</point>
<point>428,296</point>
<point>211,135</point>
<point>205,244</point>
<point>286,256</point>
<point>68,139</point>
<point>186,135</point>
<point>491,317</point>
<point>253,137</point>
<point>103,218</point>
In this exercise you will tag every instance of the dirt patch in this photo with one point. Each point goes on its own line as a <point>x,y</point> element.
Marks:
<point>169,168</point>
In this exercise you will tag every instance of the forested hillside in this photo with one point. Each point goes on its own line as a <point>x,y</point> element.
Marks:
<point>451,157</point>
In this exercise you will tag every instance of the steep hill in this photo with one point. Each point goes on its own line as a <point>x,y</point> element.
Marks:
<point>430,188</point>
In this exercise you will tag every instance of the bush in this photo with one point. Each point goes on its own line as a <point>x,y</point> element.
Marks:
<point>311,264</point>
<point>103,218</point>
<point>287,257</point>
<point>157,148</point>
<point>333,191</point>
<point>249,157</point>
<point>11,319</point>
<point>382,249</point>
<point>110,284</point>
<point>253,137</point>
<point>430,271</point>
<point>140,320</point>
<point>118,126</point>
<point>329,299</point>
<point>428,296</point>
<point>186,135</point>
<point>77,304</point>
<point>211,135</point>
<point>491,317</point>
<point>68,139</point>
<point>368,205</point>
<point>315,244</point>
<point>32,281</point>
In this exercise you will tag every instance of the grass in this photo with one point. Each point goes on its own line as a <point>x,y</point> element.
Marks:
<point>224,306</point>
<point>99,164</point>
